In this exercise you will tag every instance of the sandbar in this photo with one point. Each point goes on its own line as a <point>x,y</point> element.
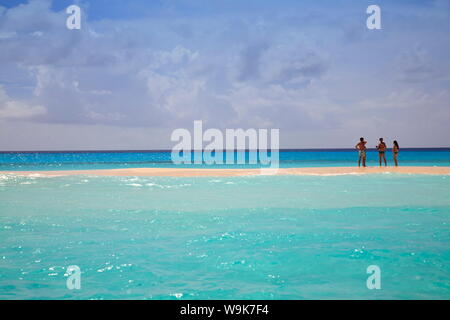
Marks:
<point>215,172</point>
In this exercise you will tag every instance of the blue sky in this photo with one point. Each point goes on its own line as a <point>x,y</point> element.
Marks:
<point>139,69</point>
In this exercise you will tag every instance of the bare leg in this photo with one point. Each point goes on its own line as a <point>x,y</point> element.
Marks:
<point>385,162</point>
<point>364,161</point>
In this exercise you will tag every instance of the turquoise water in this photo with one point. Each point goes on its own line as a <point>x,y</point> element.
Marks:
<point>261,237</point>
<point>138,159</point>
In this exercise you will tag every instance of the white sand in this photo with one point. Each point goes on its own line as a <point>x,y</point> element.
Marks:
<point>188,172</point>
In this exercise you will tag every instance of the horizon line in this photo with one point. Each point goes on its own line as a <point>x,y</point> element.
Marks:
<point>222,150</point>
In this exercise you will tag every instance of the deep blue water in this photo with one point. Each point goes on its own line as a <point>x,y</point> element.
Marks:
<point>135,159</point>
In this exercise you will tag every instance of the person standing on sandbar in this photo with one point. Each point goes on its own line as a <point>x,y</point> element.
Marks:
<point>382,151</point>
<point>395,150</point>
<point>361,147</point>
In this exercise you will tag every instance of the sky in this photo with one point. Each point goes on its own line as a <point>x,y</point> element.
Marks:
<point>139,69</point>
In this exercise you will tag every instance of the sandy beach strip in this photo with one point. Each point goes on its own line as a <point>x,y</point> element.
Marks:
<point>205,172</point>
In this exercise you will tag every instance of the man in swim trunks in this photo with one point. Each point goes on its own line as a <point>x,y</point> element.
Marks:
<point>361,147</point>
<point>382,151</point>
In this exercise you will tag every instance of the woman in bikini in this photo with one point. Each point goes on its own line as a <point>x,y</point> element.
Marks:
<point>381,151</point>
<point>395,150</point>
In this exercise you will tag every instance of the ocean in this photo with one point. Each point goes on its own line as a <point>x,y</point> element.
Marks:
<point>79,160</point>
<point>254,237</point>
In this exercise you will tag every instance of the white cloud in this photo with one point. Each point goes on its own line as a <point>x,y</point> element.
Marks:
<point>13,109</point>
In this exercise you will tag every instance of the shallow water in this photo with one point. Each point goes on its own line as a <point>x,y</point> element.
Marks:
<point>262,237</point>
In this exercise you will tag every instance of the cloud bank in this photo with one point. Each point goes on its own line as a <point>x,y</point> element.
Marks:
<point>312,70</point>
